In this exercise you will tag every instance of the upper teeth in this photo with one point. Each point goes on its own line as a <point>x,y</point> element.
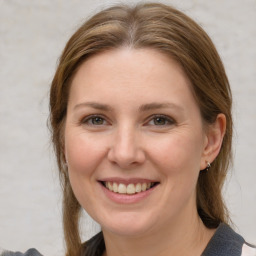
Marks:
<point>127,189</point>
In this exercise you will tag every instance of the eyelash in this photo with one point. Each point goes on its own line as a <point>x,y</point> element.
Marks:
<point>167,120</point>
<point>90,118</point>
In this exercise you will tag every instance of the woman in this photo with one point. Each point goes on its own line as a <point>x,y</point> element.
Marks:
<point>140,111</point>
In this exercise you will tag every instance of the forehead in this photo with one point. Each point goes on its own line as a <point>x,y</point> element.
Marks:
<point>130,67</point>
<point>131,76</point>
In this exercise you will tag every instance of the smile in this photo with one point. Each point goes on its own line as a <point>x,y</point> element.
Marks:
<point>128,189</point>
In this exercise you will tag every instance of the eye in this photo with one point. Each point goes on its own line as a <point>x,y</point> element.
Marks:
<point>94,120</point>
<point>161,120</point>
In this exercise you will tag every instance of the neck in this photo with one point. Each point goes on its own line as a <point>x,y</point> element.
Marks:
<point>186,237</point>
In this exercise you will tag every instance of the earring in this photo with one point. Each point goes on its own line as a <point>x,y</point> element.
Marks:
<point>208,167</point>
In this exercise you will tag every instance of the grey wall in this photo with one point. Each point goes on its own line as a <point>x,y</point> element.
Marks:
<point>32,35</point>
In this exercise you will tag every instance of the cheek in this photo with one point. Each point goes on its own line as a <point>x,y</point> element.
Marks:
<point>83,157</point>
<point>178,153</point>
<point>83,154</point>
<point>178,159</point>
<point>179,163</point>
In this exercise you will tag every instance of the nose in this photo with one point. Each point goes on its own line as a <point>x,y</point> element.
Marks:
<point>126,150</point>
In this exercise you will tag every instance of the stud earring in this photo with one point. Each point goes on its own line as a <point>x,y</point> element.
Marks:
<point>208,167</point>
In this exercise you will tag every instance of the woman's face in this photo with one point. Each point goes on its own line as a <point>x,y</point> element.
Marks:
<point>133,126</point>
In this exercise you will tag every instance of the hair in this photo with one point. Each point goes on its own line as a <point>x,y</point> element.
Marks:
<point>169,31</point>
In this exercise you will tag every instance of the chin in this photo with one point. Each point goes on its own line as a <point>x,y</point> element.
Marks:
<point>126,231</point>
<point>128,225</point>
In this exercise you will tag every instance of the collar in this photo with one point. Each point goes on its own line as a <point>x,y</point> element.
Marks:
<point>225,242</point>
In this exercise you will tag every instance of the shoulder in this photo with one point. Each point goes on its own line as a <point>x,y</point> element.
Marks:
<point>30,252</point>
<point>227,242</point>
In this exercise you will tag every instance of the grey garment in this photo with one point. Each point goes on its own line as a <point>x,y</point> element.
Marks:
<point>225,242</point>
<point>30,252</point>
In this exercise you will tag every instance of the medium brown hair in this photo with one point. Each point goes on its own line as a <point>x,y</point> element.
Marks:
<point>171,32</point>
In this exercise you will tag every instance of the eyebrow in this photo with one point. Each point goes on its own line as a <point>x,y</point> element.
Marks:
<point>155,105</point>
<point>142,108</point>
<point>95,105</point>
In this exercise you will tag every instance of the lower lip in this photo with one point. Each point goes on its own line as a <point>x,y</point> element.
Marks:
<point>127,199</point>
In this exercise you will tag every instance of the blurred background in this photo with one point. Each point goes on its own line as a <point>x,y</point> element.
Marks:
<point>32,36</point>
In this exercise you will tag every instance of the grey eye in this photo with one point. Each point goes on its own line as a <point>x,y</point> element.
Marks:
<point>160,121</point>
<point>96,120</point>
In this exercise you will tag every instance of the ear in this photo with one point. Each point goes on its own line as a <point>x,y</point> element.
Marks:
<point>213,141</point>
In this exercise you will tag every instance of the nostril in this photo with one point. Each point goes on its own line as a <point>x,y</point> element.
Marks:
<point>125,158</point>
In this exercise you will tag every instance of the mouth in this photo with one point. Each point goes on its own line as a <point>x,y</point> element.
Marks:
<point>128,189</point>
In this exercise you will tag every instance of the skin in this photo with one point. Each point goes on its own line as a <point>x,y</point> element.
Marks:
<point>126,90</point>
